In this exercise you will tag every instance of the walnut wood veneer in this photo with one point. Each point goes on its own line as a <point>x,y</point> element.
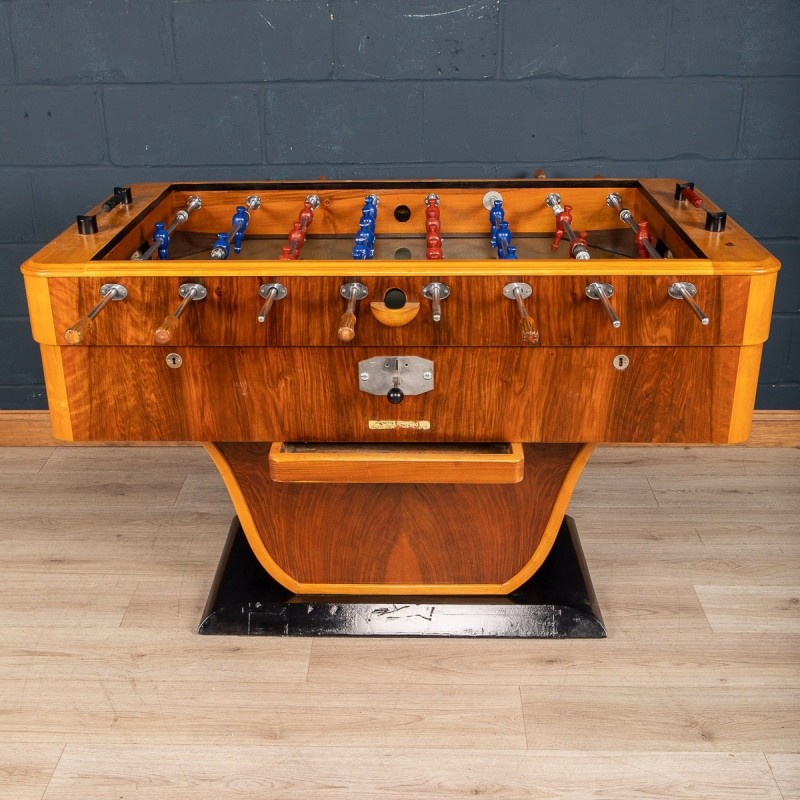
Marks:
<point>246,385</point>
<point>396,538</point>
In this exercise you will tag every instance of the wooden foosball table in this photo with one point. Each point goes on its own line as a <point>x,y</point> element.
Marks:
<point>400,382</point>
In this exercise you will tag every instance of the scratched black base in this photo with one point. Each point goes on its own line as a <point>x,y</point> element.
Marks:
<point>558,602</point>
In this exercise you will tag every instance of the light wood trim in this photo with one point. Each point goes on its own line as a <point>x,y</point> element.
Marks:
<point>554,523</point>
<point>394,317</point>
<point>759,307</point>
<point>40,309</point>
<point>32,429</point>
<point>375,463</point>
<point>423,269</point>
<point>57,398</point>
<point>248,523</point>
<point>744,393</point>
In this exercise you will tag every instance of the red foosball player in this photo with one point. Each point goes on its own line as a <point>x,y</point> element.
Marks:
<point>562,217</point>
<point>434,243</point>
<point>579,245</point>
<point>642,236</point>
<point>433,226</point>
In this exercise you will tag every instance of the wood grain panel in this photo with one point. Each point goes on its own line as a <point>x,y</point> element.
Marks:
<point>351,537</point>
<point>203,772</point>
<point>688,719</point>
<point>476,313</point>
<point>150,709</point>
<point>765,609</point>
<point>771,429</point>
<point>481,395</point>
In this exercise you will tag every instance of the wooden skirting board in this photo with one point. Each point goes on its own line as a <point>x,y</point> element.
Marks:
<point>32,428</point>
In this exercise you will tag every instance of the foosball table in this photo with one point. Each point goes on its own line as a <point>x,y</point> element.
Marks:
<point>401,381</point>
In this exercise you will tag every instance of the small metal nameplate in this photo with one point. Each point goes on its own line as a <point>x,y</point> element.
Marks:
<point>395,424</point>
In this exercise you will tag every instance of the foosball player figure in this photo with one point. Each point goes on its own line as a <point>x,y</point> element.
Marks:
<point>561,218</point>
<point>642,236</point>
<point>496,217</point>
<point>161,237</point>
<point>239,223</point>
<point>503,239</point>
<point>222,247</point>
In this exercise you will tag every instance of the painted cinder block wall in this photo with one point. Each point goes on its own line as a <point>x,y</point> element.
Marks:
<point>97,93</point>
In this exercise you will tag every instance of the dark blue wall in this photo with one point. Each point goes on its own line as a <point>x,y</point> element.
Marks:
<point>97,93</point>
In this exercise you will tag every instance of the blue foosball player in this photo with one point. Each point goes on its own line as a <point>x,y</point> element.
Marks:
<point>161,237</point>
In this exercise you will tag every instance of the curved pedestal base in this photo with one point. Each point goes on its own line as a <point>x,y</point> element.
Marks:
<point>557,602</point>
<point>402,538</point>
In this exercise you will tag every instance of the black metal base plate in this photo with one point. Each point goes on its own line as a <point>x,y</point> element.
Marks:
<point>558,602</point>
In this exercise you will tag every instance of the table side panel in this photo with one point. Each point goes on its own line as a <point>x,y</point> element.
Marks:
<point>546,394</point>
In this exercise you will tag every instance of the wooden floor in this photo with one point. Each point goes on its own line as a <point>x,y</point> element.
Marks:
<point>107,692</point>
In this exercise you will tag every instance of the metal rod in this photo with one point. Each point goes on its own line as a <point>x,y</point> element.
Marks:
<point>147,253</point>
<point>523,312</point>
<point>352,300</point>
<point>265,309</point>
<point>615,201</point>
<point>689,298</point>
<point>602,292</point>
<point>609,308</point>
<point>436,302</point>
<point>107,298</point>
<point>192,204</point>
<point>627,218</point>
<point>185,302</point>
<point>650,249</point>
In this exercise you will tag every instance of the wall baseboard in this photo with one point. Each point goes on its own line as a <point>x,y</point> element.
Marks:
<point>32,429</point>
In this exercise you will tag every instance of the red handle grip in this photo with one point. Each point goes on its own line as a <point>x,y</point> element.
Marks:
<point>692,197</point>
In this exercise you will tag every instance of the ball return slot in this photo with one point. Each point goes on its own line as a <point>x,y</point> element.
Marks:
<point>293,462</point>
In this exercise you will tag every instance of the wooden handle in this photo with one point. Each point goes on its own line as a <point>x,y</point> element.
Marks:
<point>76,333</point>
<point>164,333</point>
<point>529,333</point>
<point>347,327</point>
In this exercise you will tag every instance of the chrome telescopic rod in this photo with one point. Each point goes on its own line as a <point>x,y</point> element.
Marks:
<point>192,204</point>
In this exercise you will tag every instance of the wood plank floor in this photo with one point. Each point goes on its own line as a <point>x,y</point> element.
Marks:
<point>107,692</point>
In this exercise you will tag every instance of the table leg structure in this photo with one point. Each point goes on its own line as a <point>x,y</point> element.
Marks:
<point>307,557</point>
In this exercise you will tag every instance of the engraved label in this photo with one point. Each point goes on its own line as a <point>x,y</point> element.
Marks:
<point>403,424</point>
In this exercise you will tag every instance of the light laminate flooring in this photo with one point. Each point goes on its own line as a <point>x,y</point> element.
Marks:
<point>108,693</point>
